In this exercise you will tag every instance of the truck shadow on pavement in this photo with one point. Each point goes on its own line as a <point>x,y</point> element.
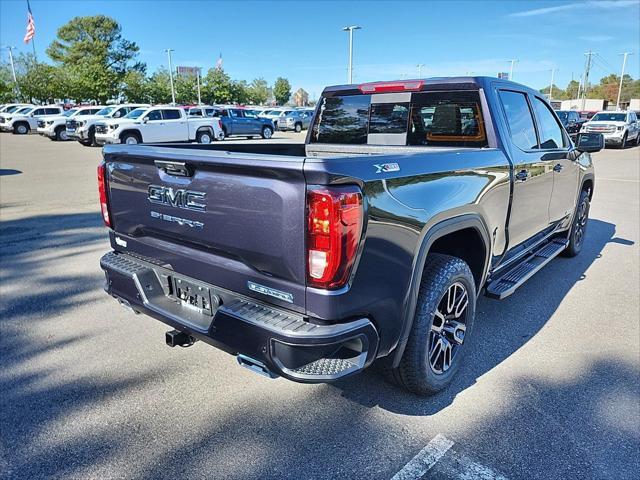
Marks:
<point>501,328</point>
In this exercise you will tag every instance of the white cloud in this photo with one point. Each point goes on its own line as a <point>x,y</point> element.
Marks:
<point>601,4</point>
<point>597,38</point>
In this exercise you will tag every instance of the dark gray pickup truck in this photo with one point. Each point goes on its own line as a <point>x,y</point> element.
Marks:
<point>369,242</point>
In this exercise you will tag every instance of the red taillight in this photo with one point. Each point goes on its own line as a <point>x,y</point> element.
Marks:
<point>387,87</point>
<point>102,190</point>
<point>220,124</point>
<point>333,234</point>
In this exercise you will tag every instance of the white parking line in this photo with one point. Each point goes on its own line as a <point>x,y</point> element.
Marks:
<point>425,459</point>
<point>458,466</point>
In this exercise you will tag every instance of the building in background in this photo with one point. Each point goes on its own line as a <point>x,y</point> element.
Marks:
<point>301,98</point>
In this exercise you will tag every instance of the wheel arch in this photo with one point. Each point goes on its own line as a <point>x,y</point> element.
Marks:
<point>135,131</point>
<point>588,183</point>
<point>450,237</point>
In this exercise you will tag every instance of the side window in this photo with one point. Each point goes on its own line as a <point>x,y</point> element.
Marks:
<point>195,112</point>
<point>38,111</point>
<point>153,115</point>
<point>172,114</point>
<point>520,120</point>
<point>236,113</point>
<point>549,129</point>
<point>52,111</point>
<point>248,114</point>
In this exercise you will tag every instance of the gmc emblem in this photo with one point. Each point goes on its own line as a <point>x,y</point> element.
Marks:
<point>179,198</point>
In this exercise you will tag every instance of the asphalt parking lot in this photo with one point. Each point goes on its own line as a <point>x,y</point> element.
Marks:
<point>549,390</point>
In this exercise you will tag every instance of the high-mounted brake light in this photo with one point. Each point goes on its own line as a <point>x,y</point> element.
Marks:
<point>388,87</point>
<point>102,190</point>
<point>333,234</point>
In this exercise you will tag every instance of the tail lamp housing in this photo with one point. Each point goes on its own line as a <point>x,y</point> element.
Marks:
<point>102,190</point>
<point>334,230</point>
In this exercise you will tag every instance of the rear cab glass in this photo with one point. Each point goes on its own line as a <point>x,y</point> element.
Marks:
<point>426,118</point>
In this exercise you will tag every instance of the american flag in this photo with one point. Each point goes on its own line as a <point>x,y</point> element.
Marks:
<point>31,26</point>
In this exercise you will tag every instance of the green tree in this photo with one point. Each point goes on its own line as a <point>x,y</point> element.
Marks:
<point>7,86</point>
<point>94,52</point>
<point>186,88</point>
<point>258,91</point>
<point>217,87</point>
<point>159,87</point>
<point>37,81</point>
<point>240,91</point>
<point>282,90</point>
<point>558,93</point>
<point>572,89</point>
<point>135,87</point>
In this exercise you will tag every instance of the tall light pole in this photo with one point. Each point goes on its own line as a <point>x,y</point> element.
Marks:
<point>350,29</point>
<point>13,68</point>
<point>513,61</point>
<point>553,71</point>
<point>173,92</point>
<point>198,81</point>
<point>624,64</point>
<point>419,67</point>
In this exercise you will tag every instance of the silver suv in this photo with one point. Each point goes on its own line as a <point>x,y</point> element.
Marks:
<point>296,120</point>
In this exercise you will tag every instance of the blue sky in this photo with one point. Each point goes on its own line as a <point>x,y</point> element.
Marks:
<point>303,41</point>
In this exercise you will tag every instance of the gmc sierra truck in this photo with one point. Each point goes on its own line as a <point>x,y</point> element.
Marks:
<point>370,242</point>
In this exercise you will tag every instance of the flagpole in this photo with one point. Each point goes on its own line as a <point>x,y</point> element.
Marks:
<point>33,42</point>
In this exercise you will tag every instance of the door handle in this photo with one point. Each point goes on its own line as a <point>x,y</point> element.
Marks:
<point>557,167</point>
<point>522,175</point>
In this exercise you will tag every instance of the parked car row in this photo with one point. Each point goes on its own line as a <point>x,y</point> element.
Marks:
<point>141,123</point>
<point>620,128</point>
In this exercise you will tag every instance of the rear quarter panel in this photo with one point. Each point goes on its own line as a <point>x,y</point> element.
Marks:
<point>401,208</point>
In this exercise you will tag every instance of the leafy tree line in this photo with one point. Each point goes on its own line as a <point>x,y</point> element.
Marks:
<point>93,62</point>
<point>606,89</point>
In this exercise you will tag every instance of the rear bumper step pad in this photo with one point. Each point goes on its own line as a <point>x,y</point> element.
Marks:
<point>287,343</point>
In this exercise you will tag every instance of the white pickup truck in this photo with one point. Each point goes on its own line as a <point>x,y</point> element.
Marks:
<point>55,127</point>
<point>26,119</point>
<point>620,128</point>
<point>84,129</point>
<point>160,123</point>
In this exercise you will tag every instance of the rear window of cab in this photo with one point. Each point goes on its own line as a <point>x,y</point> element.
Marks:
<point>437,118</point>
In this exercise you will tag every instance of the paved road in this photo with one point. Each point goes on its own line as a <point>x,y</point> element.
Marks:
<point>550,389</point>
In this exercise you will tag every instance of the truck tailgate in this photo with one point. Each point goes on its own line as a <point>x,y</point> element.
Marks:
<point>232,220</point>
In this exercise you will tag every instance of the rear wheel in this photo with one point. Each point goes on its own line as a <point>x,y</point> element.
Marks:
<point>267,132</point>
<point>579,227</point>
<point>86,143</point>
<point>130,139</point>
<point>61,134</point>
<point>21,129</point>
<point>204,136</point>
<point>441,328</point>
<point>623,145</point>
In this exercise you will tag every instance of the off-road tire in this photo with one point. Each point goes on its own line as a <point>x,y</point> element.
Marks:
<point>579,226</point>
<point>414,372</point>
